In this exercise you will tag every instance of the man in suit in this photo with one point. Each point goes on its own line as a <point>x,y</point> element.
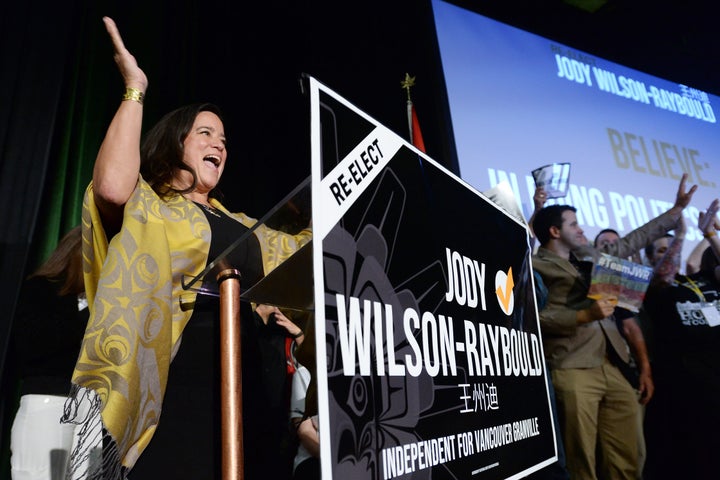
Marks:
<point>597,405</point>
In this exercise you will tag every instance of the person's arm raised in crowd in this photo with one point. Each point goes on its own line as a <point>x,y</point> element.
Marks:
<point>117,165</point>
<point>539,199</point>
<point>709,225</point>
<point>692,264</point>
<point>669,265</point>
<point>655,228</point>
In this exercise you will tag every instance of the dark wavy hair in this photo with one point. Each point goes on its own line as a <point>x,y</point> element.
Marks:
<point>550,216</point>
<point>650,247</point>
<point>603,231</point>
<point>161,152</point>
<point>64,265</point>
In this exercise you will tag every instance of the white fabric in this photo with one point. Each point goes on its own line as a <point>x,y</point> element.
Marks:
<point>300,382</point>
<point>36,432</point>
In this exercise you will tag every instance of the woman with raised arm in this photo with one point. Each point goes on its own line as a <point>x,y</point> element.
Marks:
<point>152,218</point>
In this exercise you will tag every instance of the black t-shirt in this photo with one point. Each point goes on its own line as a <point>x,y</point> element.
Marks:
<point>686,344</point>
<point>686,373</point>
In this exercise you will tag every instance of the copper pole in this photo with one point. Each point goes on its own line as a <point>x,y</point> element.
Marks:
<point>231,375</point>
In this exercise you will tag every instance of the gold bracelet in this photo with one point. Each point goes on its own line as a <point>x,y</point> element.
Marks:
<point>709,234</point>
<point>134,94</point>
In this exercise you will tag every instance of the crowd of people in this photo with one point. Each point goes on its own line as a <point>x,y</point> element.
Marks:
<point>632,388</point>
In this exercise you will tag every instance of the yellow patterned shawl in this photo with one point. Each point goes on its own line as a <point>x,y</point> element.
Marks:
<point>138,310</point>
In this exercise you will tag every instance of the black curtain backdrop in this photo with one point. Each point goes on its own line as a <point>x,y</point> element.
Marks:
<point>59,89</point>
<point>31,94</point>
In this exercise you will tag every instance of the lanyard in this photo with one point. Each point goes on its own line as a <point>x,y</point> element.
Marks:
<point>693,286</point>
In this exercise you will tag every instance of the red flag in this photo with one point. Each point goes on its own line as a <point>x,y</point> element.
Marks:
<point>414,126</point>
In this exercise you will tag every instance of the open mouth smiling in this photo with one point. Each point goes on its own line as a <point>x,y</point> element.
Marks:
<point>214,159</point>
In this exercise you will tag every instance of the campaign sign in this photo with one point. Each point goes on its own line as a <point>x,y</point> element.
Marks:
<point>432,363</point>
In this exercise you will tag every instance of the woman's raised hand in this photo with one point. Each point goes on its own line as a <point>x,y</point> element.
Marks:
<point>707,220</point>
<point>132,74</point>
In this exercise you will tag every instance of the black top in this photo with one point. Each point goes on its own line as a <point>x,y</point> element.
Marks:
<point>245,257</point>
<point>187,444</point>
<point>47,334</point>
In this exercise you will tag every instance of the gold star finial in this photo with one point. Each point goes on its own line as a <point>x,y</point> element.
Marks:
<point>407,83</point>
